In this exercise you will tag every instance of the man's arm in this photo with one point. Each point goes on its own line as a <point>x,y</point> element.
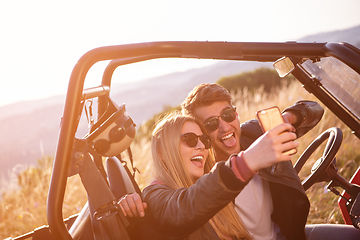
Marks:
<point>303,115</point>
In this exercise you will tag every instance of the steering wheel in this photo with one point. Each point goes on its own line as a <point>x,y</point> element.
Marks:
<point>334,136</point>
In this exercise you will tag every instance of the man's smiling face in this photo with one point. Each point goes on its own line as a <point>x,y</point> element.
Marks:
<point>225,139</point>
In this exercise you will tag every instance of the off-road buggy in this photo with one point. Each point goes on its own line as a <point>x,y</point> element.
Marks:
<point>330,71</point>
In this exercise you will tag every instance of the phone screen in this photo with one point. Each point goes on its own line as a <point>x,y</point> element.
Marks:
<point>270,118</point>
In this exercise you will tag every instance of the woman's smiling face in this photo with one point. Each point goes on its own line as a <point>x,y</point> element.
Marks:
<point>194,157</point>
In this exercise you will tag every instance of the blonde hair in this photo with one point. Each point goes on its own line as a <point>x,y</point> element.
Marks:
<point>169,168</point>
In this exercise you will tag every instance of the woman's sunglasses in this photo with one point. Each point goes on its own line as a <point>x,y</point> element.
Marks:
<point>191,139</point>
<point>228,116</point>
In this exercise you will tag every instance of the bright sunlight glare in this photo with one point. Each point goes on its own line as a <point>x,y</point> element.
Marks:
<point>42,40</point>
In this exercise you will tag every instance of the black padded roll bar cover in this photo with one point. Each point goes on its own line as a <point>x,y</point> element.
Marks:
<point>120,180</point>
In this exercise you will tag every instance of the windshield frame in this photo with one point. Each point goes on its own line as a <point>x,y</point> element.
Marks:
<point>314,86</point>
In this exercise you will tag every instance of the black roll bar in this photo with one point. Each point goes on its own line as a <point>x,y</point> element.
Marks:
<point>140,52</point>
<point>345,53</point>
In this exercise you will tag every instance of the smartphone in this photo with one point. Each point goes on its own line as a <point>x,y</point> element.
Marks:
<point>270,118</point>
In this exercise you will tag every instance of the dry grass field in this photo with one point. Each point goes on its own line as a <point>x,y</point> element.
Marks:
<point>24,208</point>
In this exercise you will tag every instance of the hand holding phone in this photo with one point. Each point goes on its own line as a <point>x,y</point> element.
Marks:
<point>270,118</point>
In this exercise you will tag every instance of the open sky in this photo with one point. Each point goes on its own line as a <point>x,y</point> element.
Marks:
<point>42,40</point>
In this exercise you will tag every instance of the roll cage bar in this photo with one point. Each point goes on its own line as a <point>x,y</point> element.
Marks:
<point>131,53</point>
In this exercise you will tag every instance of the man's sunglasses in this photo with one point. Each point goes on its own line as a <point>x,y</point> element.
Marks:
<point>191,139</point>
<point>228,116</point>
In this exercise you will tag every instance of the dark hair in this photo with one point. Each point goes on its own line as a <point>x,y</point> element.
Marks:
<point>204,94</point>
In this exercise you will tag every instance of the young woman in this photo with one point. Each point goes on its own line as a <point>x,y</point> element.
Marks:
<point>191,197</point>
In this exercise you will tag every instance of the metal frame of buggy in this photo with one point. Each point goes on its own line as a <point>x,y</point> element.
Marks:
<point>131,53</point>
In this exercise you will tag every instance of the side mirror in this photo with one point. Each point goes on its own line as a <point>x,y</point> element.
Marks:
<point>284,66</point>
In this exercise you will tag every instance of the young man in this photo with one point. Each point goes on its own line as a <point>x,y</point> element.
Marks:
<point>273,205</point>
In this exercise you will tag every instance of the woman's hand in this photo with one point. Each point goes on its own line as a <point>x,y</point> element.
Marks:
<point>269,148</point>
<point>132,205</point>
